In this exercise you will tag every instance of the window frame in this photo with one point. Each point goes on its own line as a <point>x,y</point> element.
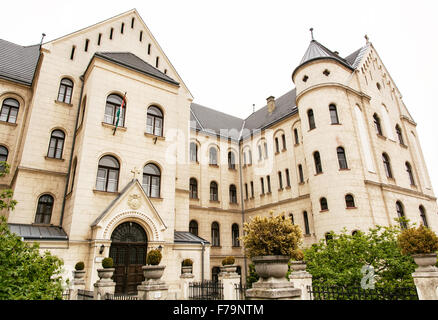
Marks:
<point>342,158</point>
<point>193,188</point>
<point>333,110</point>
<point>115,106</point>
<point>154,118</point>
<point>215,234</point>
<point>9,107</point>
<point>152,177</point>
<point>214,191</point>
<point>108,170</point>
<point>64,89</point>
<point>235,234</point>
<point>318,162</point>
<point>350,203</point>
<point>55,148</point>
<point>387,165</point>
<point>42,216</point>
<point>311,118</point>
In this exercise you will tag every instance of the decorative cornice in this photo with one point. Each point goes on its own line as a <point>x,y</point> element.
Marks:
<point>332,84</point>
<point>390,187</point>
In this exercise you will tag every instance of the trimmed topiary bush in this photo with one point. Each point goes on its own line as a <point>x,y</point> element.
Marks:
<point>187,263</point>
<point>418,241</point>
<point>107,263</point>
<point>228,261</point>
<point>79,266</point>
<point>154,257</point>
<point>297,255</point>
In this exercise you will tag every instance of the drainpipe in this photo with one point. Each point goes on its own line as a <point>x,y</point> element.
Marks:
<point>72,151</point>
<point>202,263</point>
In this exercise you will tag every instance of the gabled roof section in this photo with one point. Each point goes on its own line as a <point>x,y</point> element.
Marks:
<point>18,63</point>
<point>131,61</point>
<point>187,237</point>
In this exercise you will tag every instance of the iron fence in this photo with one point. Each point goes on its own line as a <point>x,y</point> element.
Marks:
<point>66,294</point>
<point>241,291</point>
<point>110,296</point>
<point>357,293</point>
<point>85,295</point>
<point>206,290</point>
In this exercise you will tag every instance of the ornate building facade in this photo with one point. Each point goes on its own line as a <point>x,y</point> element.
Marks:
<point>110,156</point>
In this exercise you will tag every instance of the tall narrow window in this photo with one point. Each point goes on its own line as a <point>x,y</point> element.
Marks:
<point>141,36</point>
<point>99,39</point>
<point>300,173</point>
<point>342,159</point>
<point>349,201</point>
<point>72,54</point>
<point>246,191</point>
<point>260,152</point>
<point>149,48</point>
<point>9,111</point>
<point>213,191</point>
<point>317,159</point>
<point>311,118</point>
<point>297,139</point>
<point>323,203</point>
<point>122,28</point>
<point>333,114</point>
<point>157,62</point>
<point>410,173</point>
<point>277,145</point>
<point>215,235</point>
<point>152,180</point>
<point>291,216</point>
<point>306,223</point>
<point>233,194</point>
<point>266,150</point>
<point>44,209</point>
<point>401,214</point>
<point>399,134</point>
<point>262,185</point>
<point>65,90</point>
<point>154,122</point>
<point>231,161</point>
<point>244,159</point>
<point>268,181</point>
<point>193,227</point>
<point>87,42</point>
<point>249,157</point>
<point>113,104</point>
<point>387,165</point>
<point>132,23</point>
<point>111,33</point>
<point>423,216</point>
<point>252,189</point>
<point>193,152</point>
<point>108,174</point>
<point>235,235</point>
<point>193,188</point>
<point>56,144</point>
<point>283,139</point>
<point>280,180</point>
<point>213,156</point>
<point>377,124</point>
<point>287,178</point>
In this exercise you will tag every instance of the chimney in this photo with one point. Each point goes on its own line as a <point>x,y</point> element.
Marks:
<point>271,104</point>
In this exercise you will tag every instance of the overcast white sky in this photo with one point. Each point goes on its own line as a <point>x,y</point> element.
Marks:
<point>233,54</point>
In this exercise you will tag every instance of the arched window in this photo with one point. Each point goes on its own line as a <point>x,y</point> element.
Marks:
<point>193,227</point>
<point>108,174</point>
<point>401,214</point>
<point>193,152</point>
<point>410,173</point>
<point>193,188</point>
<point>154,123</point>
<point>323,203</point>
<point>65,90</point>
<point>213,191</point>
<point>399,134</point>
<point>235,235</point>
<point>249,157</point>
<point>113,104</point>
<point>44,209</point>
<point>349,201</point>
<point>231,160</point>
<point>423,216</point>
<point>9,112</point>
<point>306,222</point>
<point>387,165</point>
<point>318,165</point>
<point>333,114</point>
<point>377,124</point>
<point>152,180</point>
<point>342,159</point>
<point>311,118</point>
<point>3,154</point>
<point>233,194</point>
<point>56,144</point>
<point>215,235</point>
<point>213,156</point>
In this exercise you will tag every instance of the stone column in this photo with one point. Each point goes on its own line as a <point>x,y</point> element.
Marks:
<point>105,284</point>
<point>77,284</point>
<point>426,277</point>
<point>301,279</point>
<point>186,278</point>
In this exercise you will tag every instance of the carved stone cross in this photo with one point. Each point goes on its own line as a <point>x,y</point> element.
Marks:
<point>135,172</point>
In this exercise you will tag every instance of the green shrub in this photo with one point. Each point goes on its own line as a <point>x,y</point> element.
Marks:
<point>418,240</point>
<point>79,266</point>
<point>187,263</point>
<point>228,261</point>
<point>107,263</point>
<point>154,257</point>
<point>271,235</point>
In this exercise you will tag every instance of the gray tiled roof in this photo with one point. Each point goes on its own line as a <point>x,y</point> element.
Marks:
<point>187,237</point>
<point>33,232</point>
<point>131,61</point>
<point>18,63</point>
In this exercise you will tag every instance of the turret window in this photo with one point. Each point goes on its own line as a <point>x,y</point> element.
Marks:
<point>318,165</point>
<point>311,118</point>
<point>342,159</point>
<point>377,124</point>
<point>410,173</point>
<point>333,114</point>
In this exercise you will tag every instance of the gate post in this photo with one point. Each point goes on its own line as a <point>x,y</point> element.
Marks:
<point>105,284</point>
<point>426,281</point>
<point>301,279</point>
<point>186,278</point>
<point>229,281</point>
<point>78,284</point>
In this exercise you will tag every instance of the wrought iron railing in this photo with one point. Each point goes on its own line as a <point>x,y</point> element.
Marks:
<point>110,296</point>
<point>241,291</point>
<point>358,293</point>
<point>206,290</point>
<point>85,295</point>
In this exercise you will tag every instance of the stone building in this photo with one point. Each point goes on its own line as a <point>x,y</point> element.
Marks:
<point>110,156</point>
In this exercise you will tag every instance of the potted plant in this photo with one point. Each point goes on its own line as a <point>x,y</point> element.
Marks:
<point>187,266</point>
<point>228,265</point>
<point>421,243</point>
<point>79,272</point>
<point>152,271</point>
<point>107,270</point>
<point>297,262</point>
<point>270,242</point>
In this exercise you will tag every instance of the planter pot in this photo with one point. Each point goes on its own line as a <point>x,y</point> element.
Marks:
<point>105,274</point>
<point>79,274</point>
<point>230,268</point>
<point>297,266</point>
<point>187,270</point>
<point>153,272</point>
<point>425,261</point>
<point>271,266</point>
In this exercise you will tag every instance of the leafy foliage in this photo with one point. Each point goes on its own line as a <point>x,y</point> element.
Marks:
<point>107,263</point>
<point>297,255</point>
<point>154,257</point>
<point>228,261</point>
<point>252,276</point>
<point>338,262</point>
<point>273,235</point>
<point>25,273</point>
<point>6,201</point>
<point>418,240</point>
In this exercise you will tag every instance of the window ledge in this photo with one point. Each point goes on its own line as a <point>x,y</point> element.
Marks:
<point>12,124</point>
<point>64,103</point>
<point>301,183</point>
<point>214,201</point>
<point>231,169</point>
<point>381,137</point>
<point>252,198</point>
<point>269,193</point>
<point>296,144</point>
<point>414,186</point>
<point>277,153</point>
<point>54,159</point>
<point>345,169</point>
<point>311,129</point>
<point>194,162</point>
<point>318,174</point>
<point>218,247</point>
<point>234,203</point>
<point>153,136</point>
<point>106,192</point>
<point>112,126</point>
<point>403,145</point>
<point>336,124</point>
<point>283,150</point>
<point>307,235</point>
<point>157,199</point>
<point>323,211</point>
<point>262,195</point>
<point>280,189</point>
<point>213,165</point>
<point>351,208</point>
<point>288,187</point>
<point>194,199</point>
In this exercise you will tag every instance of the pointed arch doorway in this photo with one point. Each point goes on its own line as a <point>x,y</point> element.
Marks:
<point>128,250</point>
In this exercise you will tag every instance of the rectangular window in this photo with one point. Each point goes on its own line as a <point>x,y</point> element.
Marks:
<point>86,45</point>
<point>268,178</point>
<point>244,158</point>
<point>99,39</point>
<point>306,222</point>
<point>141,36</point>
<point>246,191</point>
<point>122,28</point>
<point>280,180</point>
<point>149,48</point>
<point>300,172</point>
<point>287,178</point>
<point>249,157</point>
<point>111,33</point>
<point>297,141</point>
<point>157,62</point>
<point>252,189</point>
<point>132,23</point>
<point>260,152</point>
<point>262,185</point>
<point>72,55</point>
